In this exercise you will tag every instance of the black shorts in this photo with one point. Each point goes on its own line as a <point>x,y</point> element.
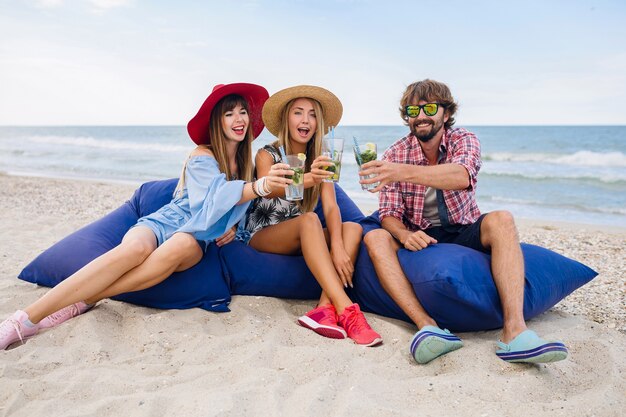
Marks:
<point>461,234</point>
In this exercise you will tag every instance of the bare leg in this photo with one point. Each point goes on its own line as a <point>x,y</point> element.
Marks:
<point>383,248</point>
<point>97,275</point>
<point>498,232</point>
<point>351,234</point>
<point>178,253</point>
<point>304,234</point>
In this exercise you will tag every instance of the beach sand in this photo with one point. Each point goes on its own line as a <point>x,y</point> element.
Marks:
<point>122,359</point>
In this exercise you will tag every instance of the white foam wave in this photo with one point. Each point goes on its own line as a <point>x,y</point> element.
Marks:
<point>614,178</point>
<point>580,158</point>
<point>584,208</point>
<point>91,142</point>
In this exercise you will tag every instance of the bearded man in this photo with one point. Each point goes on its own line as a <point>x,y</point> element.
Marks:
<point>427,195</point>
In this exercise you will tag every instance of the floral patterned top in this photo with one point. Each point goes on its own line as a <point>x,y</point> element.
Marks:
<point>269,211</point>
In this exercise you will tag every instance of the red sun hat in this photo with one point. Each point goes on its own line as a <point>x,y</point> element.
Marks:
<point>255,95</point>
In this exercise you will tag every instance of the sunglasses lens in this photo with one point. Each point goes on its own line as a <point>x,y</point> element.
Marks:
<point>431,109</point>
<point>412,111</point>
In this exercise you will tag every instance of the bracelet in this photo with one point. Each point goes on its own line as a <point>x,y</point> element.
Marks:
<point>260,189</point>
<point>256,193</point>
<point>265,188</point>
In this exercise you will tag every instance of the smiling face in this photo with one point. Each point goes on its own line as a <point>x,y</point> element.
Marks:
<point>235,123</point>
<point>426,127</point>
<point>302,120</point>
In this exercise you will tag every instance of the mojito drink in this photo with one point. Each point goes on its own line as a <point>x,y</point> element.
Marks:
<point>364,155</point>
<point>295,191</point>
<point>333,148</point>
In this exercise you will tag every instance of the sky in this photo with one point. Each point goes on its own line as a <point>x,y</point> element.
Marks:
<point>153,62</point>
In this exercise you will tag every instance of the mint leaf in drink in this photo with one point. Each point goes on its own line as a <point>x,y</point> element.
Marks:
<point>367,156</point>
<point>330,168</point>
<point>297,176</point>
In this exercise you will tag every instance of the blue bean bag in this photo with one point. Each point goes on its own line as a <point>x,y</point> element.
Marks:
<point>206,285</point>
<point>453,283</point>
<point>200,286</point>
<point>455,286</point>
<point>249,272</point>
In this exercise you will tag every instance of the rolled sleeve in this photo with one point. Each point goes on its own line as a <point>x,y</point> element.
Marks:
<point>464,149</point>
<point>390,202</point>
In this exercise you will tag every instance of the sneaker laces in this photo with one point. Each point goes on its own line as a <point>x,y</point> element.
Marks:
<point>10,325</point>
<point>73,310</point>
<point>357,321</point>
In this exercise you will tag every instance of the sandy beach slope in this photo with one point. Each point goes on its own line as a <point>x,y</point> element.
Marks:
<point>122,359</point>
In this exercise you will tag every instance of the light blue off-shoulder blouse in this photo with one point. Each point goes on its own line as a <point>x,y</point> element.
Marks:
<point>206,208</point>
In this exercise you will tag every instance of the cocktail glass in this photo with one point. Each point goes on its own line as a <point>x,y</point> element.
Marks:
<point>333,148</point>
<point>295,191</point>
<point>364,154</point>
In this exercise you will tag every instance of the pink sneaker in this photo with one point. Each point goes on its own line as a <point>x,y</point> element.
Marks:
<point>356,325</point>
<point>13,329</point>
<point>323,320</point>
<point>64,314</point>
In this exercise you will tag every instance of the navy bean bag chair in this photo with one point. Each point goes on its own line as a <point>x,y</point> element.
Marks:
<point>453,283</point>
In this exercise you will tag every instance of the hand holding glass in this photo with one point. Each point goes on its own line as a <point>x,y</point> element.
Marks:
<point>363,155</point>
<point>295,191</point>
<point>333,148</point>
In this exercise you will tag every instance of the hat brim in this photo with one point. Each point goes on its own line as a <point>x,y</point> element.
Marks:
<point>255,96</point>
<point>273,108</point>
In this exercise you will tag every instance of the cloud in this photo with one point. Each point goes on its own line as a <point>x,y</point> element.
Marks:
<point>98,5</point>
<point>109,4</point>
<point>48,4</point>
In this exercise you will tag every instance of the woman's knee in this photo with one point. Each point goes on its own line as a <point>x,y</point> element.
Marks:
<point>352,228</point>
<point>310,220</point>
<point>137,249</point>
<point>181,248</point>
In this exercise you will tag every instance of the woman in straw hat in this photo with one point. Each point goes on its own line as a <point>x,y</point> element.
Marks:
<point>299,117</point>
<point>212,195</point>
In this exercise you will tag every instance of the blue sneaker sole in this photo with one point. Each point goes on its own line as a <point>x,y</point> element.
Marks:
<point>427,345</point>
<point>549,352</point>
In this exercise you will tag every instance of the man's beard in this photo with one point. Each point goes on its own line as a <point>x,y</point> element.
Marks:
<point>425,136</point>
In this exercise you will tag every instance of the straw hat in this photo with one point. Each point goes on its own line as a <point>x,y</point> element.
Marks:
<point>255,95</point>
<point>272,110</point>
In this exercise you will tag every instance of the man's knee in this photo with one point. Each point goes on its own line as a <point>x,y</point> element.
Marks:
<point>498,223</point>
<point>378,238</point>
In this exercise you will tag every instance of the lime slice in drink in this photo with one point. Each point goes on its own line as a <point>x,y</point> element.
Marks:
<point>302,156</point>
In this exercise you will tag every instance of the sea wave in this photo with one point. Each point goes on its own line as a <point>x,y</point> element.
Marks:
<point>91,142</point>
<point>621,211</point>
<point>580,158</point>
<point>614,179</point>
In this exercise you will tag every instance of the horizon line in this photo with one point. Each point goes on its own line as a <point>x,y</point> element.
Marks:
<point>347,125</point>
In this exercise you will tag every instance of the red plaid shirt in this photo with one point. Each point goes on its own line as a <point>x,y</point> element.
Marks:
<point>405,201</point>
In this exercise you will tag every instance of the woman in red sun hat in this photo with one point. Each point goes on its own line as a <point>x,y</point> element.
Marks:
<point>212,195</point>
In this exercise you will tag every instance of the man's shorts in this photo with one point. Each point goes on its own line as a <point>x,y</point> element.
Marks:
<point>461,234</point>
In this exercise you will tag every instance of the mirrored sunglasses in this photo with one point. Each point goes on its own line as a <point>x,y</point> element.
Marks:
<point>430,109</point>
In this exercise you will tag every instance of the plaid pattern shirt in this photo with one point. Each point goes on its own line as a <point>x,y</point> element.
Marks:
<point>405,201</point>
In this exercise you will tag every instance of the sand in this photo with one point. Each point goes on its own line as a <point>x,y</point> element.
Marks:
<point>122,359</point>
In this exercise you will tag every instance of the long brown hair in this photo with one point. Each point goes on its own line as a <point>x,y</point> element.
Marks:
<point>243,155</point>
<point>313,149</point>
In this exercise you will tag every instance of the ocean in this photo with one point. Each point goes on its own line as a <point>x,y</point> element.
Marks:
<point>559,173</point>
